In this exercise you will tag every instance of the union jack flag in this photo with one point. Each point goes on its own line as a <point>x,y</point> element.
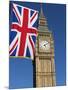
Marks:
<point>23,31</point>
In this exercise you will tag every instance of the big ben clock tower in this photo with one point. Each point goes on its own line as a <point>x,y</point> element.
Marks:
<point>44,57</point>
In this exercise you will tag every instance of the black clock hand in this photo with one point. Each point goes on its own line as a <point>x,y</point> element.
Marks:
<point>45,44</point>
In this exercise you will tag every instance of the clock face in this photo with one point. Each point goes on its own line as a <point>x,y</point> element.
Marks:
<point>44,43</point>
<point>44,46</point>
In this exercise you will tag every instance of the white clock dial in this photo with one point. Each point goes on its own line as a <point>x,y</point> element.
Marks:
<point>45,45</point>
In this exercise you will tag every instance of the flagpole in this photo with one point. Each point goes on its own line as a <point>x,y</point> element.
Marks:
<point>34,72</point>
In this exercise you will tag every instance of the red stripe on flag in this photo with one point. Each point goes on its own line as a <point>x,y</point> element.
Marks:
<point>33,17</point>
<point>16,13</point>
<point>13,46</point>
<point>32,45</point>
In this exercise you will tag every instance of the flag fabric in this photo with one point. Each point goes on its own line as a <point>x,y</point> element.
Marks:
<point>23,24</point>
<point>23,31</point>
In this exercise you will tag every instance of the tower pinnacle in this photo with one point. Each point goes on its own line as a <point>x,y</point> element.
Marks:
<point>41,13</point>
<point>42,21</point>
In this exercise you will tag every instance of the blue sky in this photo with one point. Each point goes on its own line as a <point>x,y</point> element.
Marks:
<point>21,70</point>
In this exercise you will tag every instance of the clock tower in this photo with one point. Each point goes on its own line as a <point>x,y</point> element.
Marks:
<point>44,67</point>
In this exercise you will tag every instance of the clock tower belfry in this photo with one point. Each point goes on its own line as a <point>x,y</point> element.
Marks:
<point>44,56</point>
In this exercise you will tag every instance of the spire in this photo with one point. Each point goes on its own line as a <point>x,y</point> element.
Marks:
<point>42,21</point>
<point>41,13</point>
